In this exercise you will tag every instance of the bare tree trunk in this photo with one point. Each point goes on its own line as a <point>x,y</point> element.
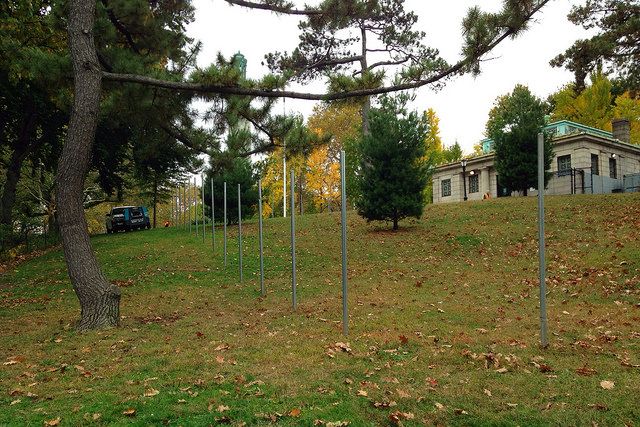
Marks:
<point>99,299</point>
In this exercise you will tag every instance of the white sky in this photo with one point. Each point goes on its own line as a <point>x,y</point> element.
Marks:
<point>462,106</point>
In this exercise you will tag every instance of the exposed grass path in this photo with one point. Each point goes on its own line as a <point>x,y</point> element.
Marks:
<point>443,321</point>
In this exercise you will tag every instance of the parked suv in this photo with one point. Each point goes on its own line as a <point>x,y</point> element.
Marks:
<point>127,218</point>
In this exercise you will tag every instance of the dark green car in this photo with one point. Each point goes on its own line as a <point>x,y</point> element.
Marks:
<point>127,218</point>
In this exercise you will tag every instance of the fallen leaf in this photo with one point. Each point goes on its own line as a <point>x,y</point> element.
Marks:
<point>586,371</point>
<point>222,347</point>
<point>403,339</point>
<point>295,412</point>
<point>397,417</point>
<point>384,404</point>
<point>599,406</point>
<point>362,393</point>
<point>439,405</point>
<point>150,392</point>
<point>545,368</point>
<point>96,416</point>
<point>403,394</point>
<point>487,392</point>
<point>607,385</point>
<point>502,370</point>
<point>512,405</point>
<point>223,408</point>
<point>460,412</point>
<point>15,402</point>
<point>219,359</point>
<point>432,382</point>
<point>53,422</point>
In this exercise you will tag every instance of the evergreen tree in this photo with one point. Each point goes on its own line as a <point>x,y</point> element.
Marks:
<point>616,42</point>
<point>238,171</point>
<point>452,154</point>
<point>514,124</point>
<point>394,171</point>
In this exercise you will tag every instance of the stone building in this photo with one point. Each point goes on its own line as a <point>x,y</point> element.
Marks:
<point>585,161</point>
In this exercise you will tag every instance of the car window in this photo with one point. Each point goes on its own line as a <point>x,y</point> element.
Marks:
<point>118,211</point>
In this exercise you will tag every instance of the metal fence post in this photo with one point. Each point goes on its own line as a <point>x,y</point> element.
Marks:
<point>345,315</point>
<point>213,219</point>
<point>262,289</point>
<point>189,204</point>
<point>225,224</point>
<point>182,208</point>
<point>239,234</point>
<point>195,199</point>
<point>293,242</point>
<point>541,250</point>
<point>204,216</point>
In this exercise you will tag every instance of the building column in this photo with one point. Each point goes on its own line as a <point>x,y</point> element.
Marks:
<point>485,182</point>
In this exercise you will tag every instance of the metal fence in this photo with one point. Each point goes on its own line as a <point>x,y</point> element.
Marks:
<point>582,181</point>
<point>631,183</point>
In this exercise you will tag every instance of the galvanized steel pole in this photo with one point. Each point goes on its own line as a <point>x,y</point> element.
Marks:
<point>204,216</point>
<point>183,202</point>
<point>189,204</point>
<point>345,315</point>
<point>176,198</point>
<point>225,224</point>
<point>213,220</point>
<point>182,208</point>
<point>239,234</point>
<point>293,243</point>
<point>195,199</point>
<point>541,250</point>
<point>262,289</point>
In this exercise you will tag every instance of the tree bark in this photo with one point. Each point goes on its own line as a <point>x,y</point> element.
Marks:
<point>155,198</point>
<point>366,106</point>
<point>14,168</point>
<point>99,299</point>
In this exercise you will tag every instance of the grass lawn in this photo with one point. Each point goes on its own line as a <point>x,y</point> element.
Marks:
<point>444,324</point>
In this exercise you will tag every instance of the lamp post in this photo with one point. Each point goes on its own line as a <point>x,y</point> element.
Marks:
<point>464,178</point>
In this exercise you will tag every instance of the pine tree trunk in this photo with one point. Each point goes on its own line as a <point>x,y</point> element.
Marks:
<point>99,299</point>
<point>366,107</point>
<point>14,168</point>
<point>8,199</point>
<point>155,198</point>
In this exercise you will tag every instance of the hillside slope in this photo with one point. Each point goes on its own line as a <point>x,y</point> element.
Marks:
<point>443,324</point>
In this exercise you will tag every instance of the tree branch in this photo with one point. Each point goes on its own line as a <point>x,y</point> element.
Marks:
<point>120,27</point>
<point>276,9</point>
<point>236,90</point>
<point>181,137</point>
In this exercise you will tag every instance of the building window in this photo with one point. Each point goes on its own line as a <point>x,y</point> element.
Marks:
<point>446,187</point>
<point>613,170</point>
<point>595,170</point>
<point>564,165</point>
<point>474,184</point>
